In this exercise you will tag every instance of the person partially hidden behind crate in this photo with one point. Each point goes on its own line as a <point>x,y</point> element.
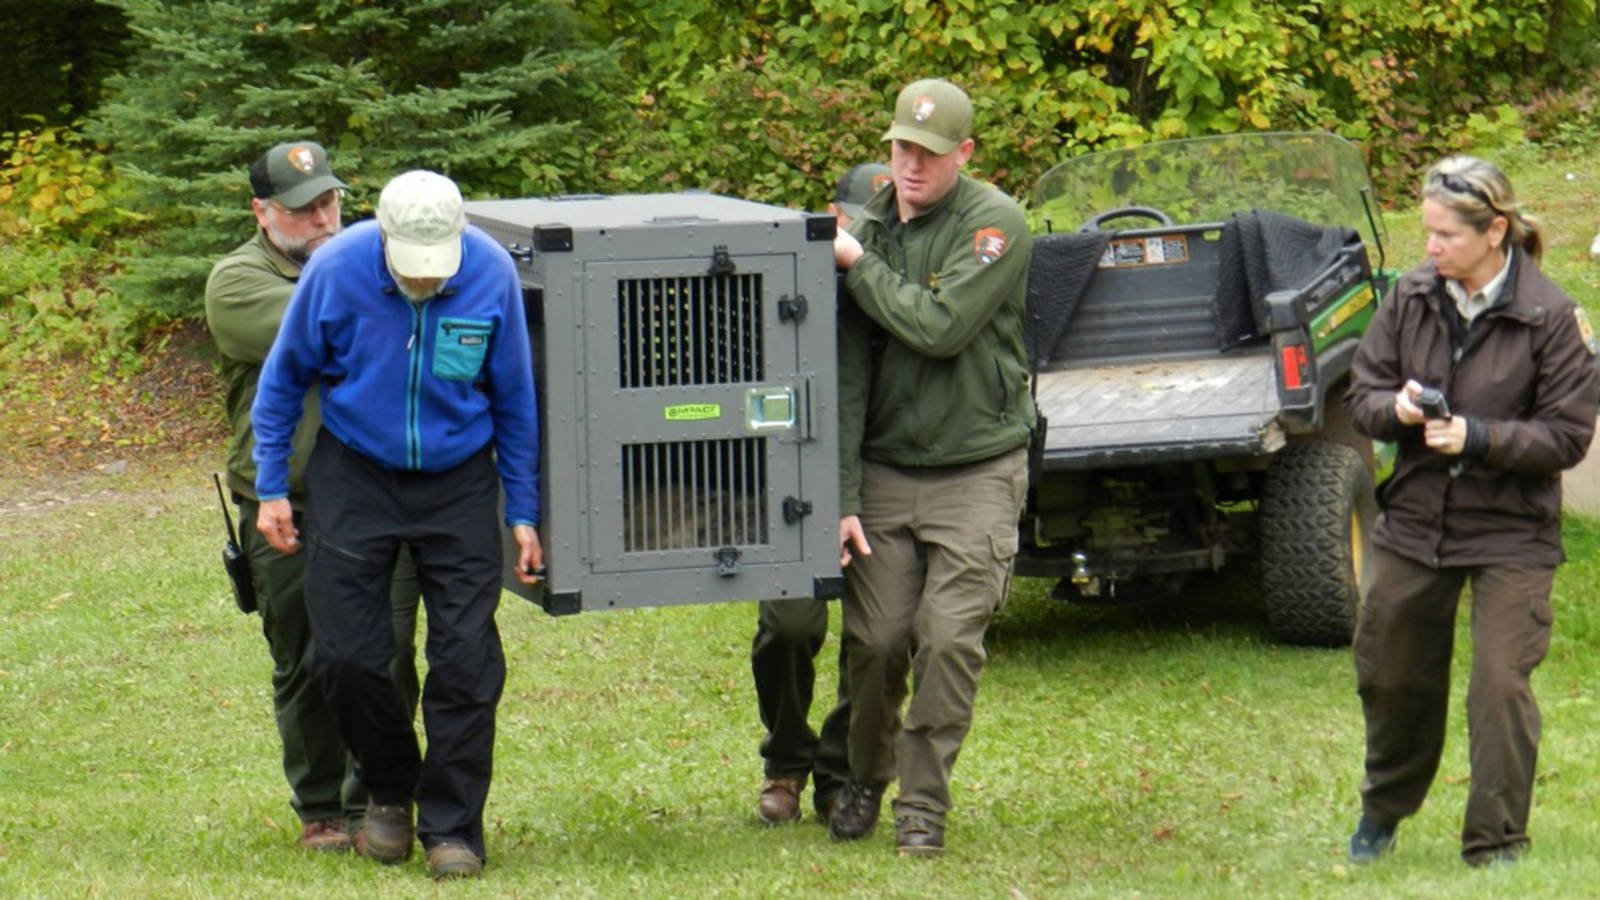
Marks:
<point>1481,371</point>
<point>789,635</point>
<point>935,420</point>
<point>412,328</point>
<point>296,205</point>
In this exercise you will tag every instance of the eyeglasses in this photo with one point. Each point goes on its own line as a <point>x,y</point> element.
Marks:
<point>325,202</point>
<point>1458,185</point>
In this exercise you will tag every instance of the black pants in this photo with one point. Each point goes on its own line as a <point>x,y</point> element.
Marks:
<point>359,514</point>
<point>314,757</point>
<point>789,634</point>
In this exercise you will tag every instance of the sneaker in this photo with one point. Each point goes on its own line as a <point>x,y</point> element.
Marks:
<point>1371,841</point>
<point>387,834</point>
<point>855,809</point>
<point>917,837</point>
<point>780,800</point>
<point>325,835</point>
<point>453,860</point>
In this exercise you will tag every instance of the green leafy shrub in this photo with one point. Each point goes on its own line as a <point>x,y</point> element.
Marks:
<point>1565,117</point>
<point>1411,81</point>
<point>749,130</point>
<point>61,210</point>
<point>56,185</point>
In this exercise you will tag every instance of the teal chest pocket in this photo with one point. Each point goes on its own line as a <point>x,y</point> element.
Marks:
<point>459,346</point>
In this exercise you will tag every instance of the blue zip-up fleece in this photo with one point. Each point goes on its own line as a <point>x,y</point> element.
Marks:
<point>415,387</point>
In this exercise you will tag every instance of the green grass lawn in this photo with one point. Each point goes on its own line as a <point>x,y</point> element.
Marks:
<point>1154,752</point>
<point>1164,751</point>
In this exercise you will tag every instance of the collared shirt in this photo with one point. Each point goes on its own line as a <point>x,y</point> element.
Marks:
<point>1481,299</point>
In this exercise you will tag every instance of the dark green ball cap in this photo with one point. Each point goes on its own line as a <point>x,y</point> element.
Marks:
<point>858,185</point>
<point>932,113</point>
<point>293,174</point>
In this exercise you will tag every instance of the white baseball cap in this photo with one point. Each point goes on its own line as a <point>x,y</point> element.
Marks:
<point>421,217</point>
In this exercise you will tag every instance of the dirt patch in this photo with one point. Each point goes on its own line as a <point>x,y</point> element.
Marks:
<point>65,421</point>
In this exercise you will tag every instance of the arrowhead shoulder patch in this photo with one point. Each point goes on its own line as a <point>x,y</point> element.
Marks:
<point>989,244</point>
<point>1586,330</point>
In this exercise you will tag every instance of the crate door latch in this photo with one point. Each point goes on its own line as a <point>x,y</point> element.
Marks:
<point>795,509</point>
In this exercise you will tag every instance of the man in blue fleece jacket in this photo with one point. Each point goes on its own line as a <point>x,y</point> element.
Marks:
<point>412,327</point>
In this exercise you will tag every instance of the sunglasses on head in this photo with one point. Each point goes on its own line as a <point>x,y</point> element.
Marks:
<point>1458,185</point>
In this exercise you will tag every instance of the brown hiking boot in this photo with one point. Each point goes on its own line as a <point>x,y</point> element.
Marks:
<point>780,800</point>
<point>387,835</point>
<point>453,860</point>
<point>325,835</point>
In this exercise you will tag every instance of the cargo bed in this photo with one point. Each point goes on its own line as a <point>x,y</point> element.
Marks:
<point>1159,410</point>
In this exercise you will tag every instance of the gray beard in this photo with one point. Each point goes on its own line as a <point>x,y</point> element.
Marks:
<point>297,252</point>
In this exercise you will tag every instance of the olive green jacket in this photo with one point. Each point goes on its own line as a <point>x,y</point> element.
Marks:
<point>246,296</point>
<point>932,369</point>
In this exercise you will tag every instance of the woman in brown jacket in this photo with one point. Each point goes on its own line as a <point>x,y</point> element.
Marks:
<point>1475,496</point>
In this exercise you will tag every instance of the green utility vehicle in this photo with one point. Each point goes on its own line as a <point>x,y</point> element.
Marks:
<point>1193,313</point>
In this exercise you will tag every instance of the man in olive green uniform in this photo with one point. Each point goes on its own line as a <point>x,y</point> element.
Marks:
<point>935,419</point>
<point>789,635</point>
<point>296,206</point>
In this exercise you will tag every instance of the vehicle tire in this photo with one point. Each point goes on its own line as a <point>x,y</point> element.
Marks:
<point>1317,513</point>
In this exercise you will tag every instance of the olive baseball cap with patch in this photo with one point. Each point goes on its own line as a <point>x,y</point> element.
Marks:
<point>932,113</point>
<point>293,174</point>
<point>857,186</point>
<point>422,220</point>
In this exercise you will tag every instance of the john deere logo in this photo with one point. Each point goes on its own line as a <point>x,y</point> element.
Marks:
<point>1345,311</point>
<point>692,412</point>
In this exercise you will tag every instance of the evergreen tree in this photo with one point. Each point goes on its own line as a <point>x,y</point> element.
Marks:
<point>505,97</point>
<point>61,50</point>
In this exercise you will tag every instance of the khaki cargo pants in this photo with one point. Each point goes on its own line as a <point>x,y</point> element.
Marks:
<point>943,540</point>
<point>1403,644</point>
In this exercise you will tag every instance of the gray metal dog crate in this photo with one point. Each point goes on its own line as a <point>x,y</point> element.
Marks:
<point>684,351</point>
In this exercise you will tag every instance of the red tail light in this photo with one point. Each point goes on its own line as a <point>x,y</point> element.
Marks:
<point>1294,366</point>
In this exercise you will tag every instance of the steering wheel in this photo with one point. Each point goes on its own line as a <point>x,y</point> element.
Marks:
<point>1122,212</point>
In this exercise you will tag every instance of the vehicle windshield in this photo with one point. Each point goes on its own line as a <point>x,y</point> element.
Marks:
<point>1313,176</point>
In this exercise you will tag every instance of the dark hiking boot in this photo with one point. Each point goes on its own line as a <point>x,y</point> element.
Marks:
<point>855,809</point>
<point>387,834</point>
<point>453,860</point>
<point>917,837</point>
